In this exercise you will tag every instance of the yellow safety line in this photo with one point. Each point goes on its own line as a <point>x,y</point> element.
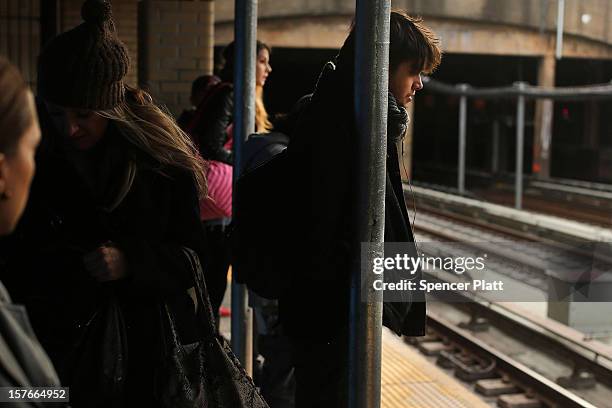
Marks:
<point>409,380</point>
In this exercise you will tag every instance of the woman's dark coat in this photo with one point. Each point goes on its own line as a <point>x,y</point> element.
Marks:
<point>69,215</point>
<point>216,113</point>
<point>322,149</point>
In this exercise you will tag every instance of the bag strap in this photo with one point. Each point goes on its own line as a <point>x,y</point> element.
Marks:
<point>168,327</point>
<point>205,308</point>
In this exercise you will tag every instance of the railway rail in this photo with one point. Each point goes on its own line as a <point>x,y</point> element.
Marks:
<point>498,376</point>
<point>520,224</point>
<point>579,372</point>
<point>592,207</point>
<point>573,199</point>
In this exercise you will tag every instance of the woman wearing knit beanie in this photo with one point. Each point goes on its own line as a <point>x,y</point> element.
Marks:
<point>113,204</point>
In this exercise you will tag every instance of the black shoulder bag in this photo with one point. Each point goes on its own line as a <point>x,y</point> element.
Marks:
<point>206,373</point>
<point>100,363</point>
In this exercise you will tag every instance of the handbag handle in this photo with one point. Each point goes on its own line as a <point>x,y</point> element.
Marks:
<point>169,326</point>
<point>205,308</point>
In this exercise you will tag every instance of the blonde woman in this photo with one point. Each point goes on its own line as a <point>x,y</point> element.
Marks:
<point>211,130</point>
<point>113,205</point>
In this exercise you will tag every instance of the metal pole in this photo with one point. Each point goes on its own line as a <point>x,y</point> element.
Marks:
<point>371,85</point>
<point>520,134</point>
<point>560,23</point>
<point>495,150</point>
<point>245,31</point>
<point>462,138</point>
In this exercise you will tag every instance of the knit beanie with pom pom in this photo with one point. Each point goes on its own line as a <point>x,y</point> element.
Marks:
<point>84,67</point>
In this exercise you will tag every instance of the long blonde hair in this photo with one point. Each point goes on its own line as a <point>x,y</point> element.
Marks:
<point>155,133</point>
<point>262,123</point>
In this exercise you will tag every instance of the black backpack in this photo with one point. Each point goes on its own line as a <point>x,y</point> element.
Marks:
<point>261,234</point>
<point>261,147</point>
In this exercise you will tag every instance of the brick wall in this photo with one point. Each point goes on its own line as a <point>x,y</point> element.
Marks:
<point>20,35</point>
<point>176,46</point>
<point>125,15</point>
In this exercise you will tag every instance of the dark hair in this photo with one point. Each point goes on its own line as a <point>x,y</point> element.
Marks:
<point>227,72</point>
<point>17,111</point>
<point>409,41</point>
<point>202,82</point>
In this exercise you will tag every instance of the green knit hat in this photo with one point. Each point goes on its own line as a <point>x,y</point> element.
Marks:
<point>85,67</point>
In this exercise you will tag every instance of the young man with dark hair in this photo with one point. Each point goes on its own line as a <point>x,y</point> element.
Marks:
<point>315,312</point>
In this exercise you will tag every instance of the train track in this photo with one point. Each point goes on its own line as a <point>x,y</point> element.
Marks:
<point>498,377</point>
<point>520,255</point>
<point>508,356</point>
<point>572,199</point>
<point>506,223</point>
<point>584,378</point>
<point>593,211</point>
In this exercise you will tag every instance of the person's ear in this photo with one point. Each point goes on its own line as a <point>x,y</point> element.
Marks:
<point>3,193</point>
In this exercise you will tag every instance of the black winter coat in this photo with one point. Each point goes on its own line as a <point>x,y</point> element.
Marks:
<point>322,148</point>
<point>154,216</point>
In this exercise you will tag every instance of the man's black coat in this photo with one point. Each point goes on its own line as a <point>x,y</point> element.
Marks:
<point>321,150</point>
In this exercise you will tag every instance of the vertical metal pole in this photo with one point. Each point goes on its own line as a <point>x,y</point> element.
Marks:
<point>495,150</point>
<point>371,84</point>
<point>560,24</point>
<point>245,31</point>
<point>520,134</point>
<point>462,138</point>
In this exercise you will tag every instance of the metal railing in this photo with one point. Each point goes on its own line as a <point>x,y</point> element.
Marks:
<point>520,91</point>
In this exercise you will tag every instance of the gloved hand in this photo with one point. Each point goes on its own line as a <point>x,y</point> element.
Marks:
<point>397,121</point>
